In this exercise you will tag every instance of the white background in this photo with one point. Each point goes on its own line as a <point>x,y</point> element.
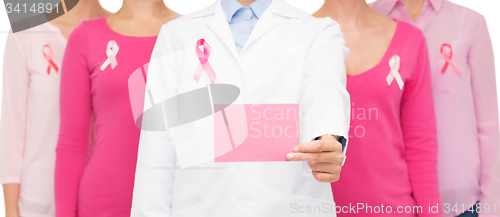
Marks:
<point>488,8</point>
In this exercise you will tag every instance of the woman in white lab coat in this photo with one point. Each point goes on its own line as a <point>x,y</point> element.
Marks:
<point>289,58</point>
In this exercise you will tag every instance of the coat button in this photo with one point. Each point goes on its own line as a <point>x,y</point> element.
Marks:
<point>243,204</point>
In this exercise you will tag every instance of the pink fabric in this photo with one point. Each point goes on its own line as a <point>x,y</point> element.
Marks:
<point>393,148</point>
<point>466,104</point>
<point>30,117</point>
<point>101,185</point>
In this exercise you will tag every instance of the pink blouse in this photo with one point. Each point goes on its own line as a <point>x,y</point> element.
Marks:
<point>30,116</point>
<point>393,147</point>
<point>97,65</point>
<point>465,100</point>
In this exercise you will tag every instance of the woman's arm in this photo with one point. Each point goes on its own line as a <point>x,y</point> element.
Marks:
<point>482,68</point>
<point>13,125</point>
<point>156,160</point>
<point>418,124</point>
<point>11,196</point>
<point>76,118</point>
<point>324,86</point>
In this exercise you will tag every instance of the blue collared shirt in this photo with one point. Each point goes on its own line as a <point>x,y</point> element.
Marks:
<point>242,19</point>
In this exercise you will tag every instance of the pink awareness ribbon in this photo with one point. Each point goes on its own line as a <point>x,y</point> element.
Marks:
<point>203,55</point>
<point>447,56</point>
<point>47,53</point>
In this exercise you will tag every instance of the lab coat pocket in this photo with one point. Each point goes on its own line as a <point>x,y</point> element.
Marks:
<point>312,207</point>
<point>454,78</point>
<point>195,211</point>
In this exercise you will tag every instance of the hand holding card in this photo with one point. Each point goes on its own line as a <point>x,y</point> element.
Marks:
<point>324,156</point>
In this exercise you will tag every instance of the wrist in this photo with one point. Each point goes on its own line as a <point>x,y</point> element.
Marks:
<point>328,136</point>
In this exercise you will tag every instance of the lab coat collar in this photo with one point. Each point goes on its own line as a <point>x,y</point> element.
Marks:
<point>267,22</point>
<point>280,7</point>
<point>230,7</point>
<point>260,6</point>
<point>210,10</point>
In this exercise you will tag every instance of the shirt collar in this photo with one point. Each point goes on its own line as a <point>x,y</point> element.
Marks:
<point>391,4</point>
<point>436,4</point>
<point>231,6</point>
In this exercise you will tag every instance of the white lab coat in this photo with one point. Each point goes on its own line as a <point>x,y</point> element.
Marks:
<point>290,57</point>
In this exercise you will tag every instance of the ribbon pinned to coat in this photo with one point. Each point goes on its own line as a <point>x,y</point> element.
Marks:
<point>203,56</point>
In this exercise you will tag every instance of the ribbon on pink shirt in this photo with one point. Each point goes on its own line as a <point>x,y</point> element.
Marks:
<point>447,56</point>
<point>47,53</point>
<point>395,64</point>
<point>111,52</point>
<point>203,55</point>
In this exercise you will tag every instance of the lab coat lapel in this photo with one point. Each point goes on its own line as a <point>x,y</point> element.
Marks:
<point>265,24</point>
<point>268,20</point>
<point>220,27</point>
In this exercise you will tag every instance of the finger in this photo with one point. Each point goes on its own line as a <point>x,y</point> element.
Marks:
<point>321,167</point>
<point>319,146</point>
<point>330,137</point>
<point>317,157</point>
<point>325,167</point>
<point>326,177</point>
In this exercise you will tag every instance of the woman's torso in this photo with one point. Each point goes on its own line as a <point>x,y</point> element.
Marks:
<point>376,172</point>
<point>444,23</point>
<point>107,183</point>
<point>43,49</point>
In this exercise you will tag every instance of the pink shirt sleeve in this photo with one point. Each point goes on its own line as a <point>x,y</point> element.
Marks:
<point>14,111</point>
<point>418,123</point>
<point>76,118</point>
<point>482,68</point>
